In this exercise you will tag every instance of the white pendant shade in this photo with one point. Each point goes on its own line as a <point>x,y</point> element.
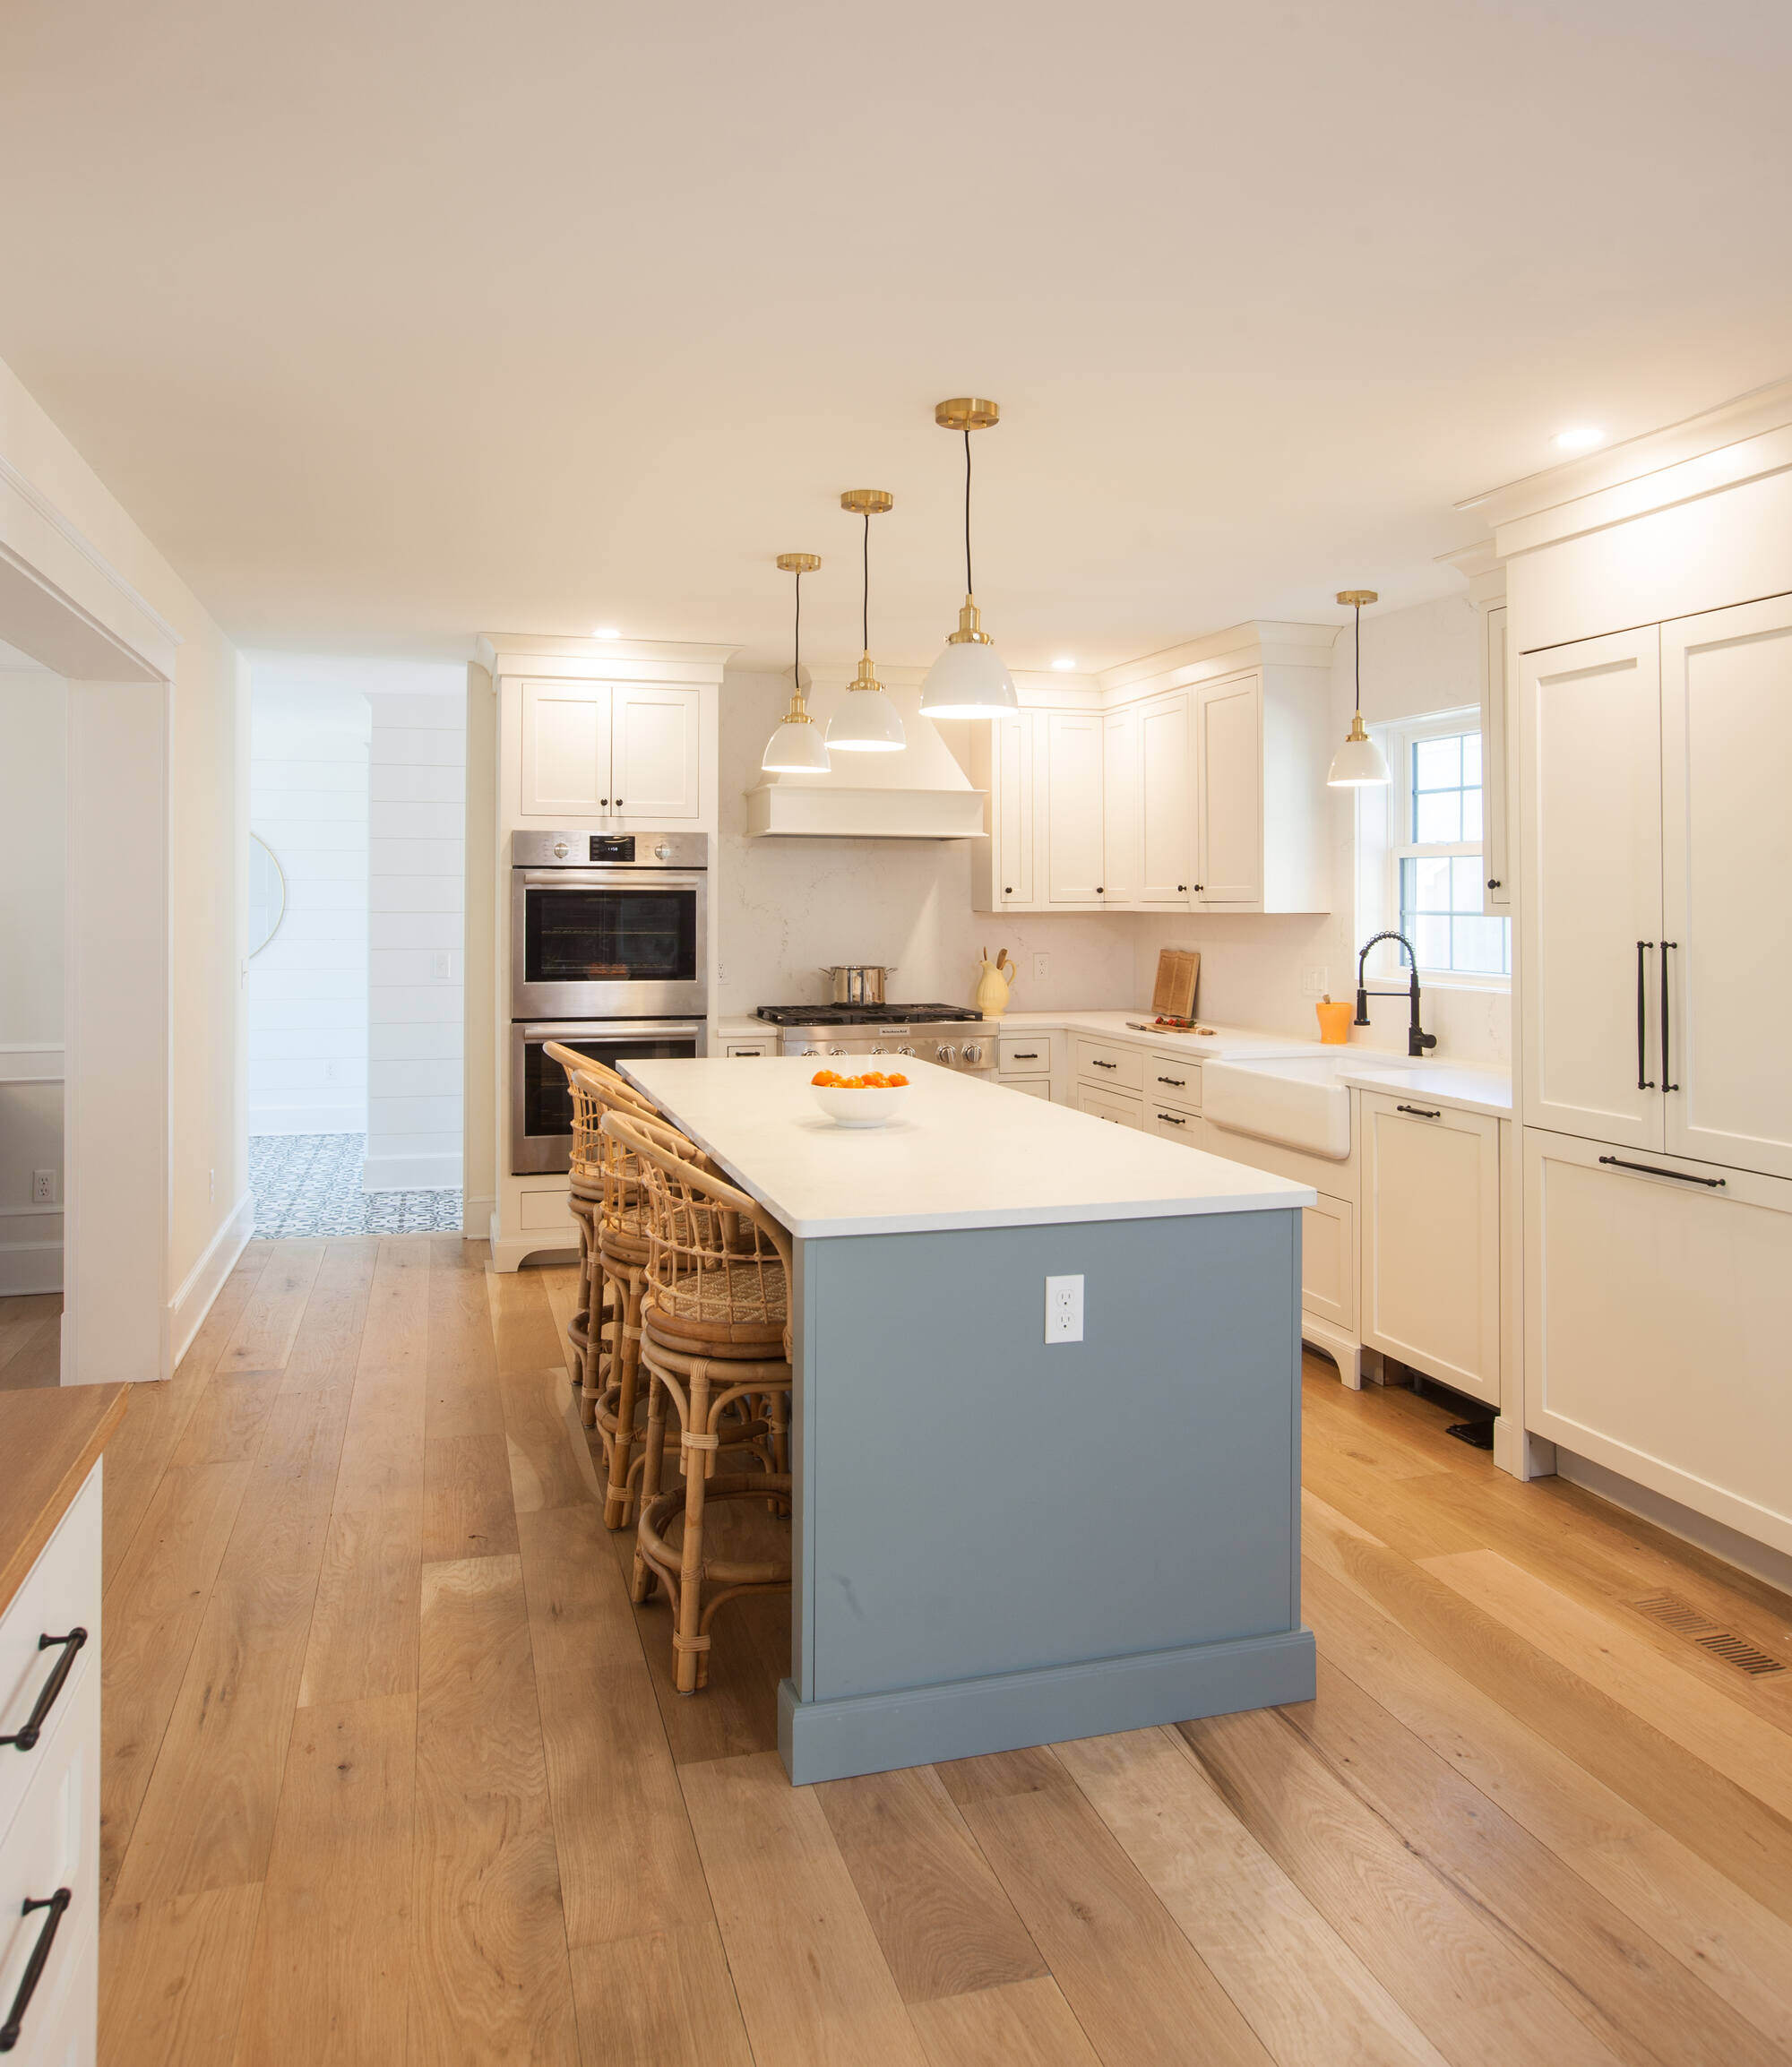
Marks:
<point>796,749</point>
<point>867,722</point>
<point>1358,765</point>
<point>969,680</point>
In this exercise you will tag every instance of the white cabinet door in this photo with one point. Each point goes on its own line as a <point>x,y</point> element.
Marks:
<point>1727,857</point>
<point>1012,807</point>
<point>656,754</point>
<point>1590,935</point>
<point>1497,789</point>
<point>1120,806</point>
<point>1656,1312</point>
<point>1073,807</point>
<point>1228,728</point>
<point>1431,1240</point>
<point>566,750</point>
<point>1165,800</point>
<point>1328,1261</point>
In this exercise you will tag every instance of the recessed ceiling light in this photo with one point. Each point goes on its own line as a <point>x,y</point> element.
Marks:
<point>1066,664</point>
<point>606,632</point>
<point>1580,438</point>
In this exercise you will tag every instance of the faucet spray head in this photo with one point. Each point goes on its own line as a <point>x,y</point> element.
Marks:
<point>1362,1018</point>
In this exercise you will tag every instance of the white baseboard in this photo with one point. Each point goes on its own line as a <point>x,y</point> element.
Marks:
<point>192,1301</point>
<point>30,1267</point>
<point>476,1218</point>
<point>24,1063</point>
<point>1761,1559</point>
<point>411,1172</point>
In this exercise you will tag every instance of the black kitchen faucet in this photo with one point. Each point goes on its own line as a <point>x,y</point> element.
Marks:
<point>1416,1040</point>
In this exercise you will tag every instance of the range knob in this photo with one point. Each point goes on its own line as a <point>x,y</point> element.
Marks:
<point>878,1048</point>
<point>663,852</point>
<point>808,1051</point>
<point>906,1049</point>
<point>561,850</point>
<point>972,1052</point>
<point>945,1052</point>
<point>834,1051</point>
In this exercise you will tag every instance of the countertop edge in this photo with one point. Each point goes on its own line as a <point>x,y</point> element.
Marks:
<point>1292,1200</point>
<point>108,1405</point>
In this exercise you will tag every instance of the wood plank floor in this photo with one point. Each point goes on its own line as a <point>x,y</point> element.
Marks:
<point>394,1773</point>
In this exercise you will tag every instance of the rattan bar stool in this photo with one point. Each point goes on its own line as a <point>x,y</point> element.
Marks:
<point>714,1334</point>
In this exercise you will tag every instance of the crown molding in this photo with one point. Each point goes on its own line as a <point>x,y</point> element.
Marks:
<point>1257,640</point>
<point>41,507</point>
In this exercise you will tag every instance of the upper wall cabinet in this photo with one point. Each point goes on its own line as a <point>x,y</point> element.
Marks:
<point>600,750</point>
<point>1188,785</point>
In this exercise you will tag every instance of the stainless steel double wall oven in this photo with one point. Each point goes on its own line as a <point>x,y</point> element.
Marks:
<point>608,953</point>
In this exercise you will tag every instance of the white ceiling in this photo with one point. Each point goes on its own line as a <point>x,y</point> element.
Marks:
<point>393,321</point>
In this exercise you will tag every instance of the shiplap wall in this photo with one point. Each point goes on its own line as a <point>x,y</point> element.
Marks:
<point>308,989</point>
<point>416,948</point>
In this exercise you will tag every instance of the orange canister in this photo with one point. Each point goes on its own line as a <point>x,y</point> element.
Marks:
<point>1334,1022</point>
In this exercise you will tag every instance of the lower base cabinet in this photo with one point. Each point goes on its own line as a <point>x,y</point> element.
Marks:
<point>1174,1123</point>
<point>1125,1110</point>
<point>1029,1087</point>
<point>1431,1240</point>
<point>1657,1309</point>
<point>1328,1261</point>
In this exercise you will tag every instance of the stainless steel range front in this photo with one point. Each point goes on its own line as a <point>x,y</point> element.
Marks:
<point>608,925</point>
<point>947,1034</point>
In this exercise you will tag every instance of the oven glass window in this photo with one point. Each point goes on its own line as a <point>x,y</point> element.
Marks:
<point>547,1103</point>
<point>610,937</point>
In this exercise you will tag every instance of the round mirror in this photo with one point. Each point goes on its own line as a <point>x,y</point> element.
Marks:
<point>267,894</point>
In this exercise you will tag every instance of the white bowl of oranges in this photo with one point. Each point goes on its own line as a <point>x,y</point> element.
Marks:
<point>870,1100</point>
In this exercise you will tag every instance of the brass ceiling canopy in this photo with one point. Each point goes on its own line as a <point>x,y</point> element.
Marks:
<point>965,413</point>
<point>798,562</point>
<point>1358,597</point>
<point>867,502</point>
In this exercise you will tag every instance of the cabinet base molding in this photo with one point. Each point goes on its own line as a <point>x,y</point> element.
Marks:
<point>1337,1343</point>
<point>1763,1560</point>
<point>834,1740</point>
<point>1520,1452</point>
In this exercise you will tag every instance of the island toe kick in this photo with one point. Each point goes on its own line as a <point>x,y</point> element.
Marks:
<point>999,1542</point>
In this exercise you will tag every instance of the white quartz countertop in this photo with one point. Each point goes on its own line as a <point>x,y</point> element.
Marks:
<point>1216,1042</point>
<point>965,1153</point>
<point>1465,1088</point>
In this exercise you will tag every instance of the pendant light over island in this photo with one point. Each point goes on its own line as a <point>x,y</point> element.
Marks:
<point>866,721</point>
<point>1358,763</point>
<point>796,747</point>
<point>969,679</point>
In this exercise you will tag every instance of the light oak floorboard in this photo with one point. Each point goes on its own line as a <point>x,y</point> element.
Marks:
<point>466,1508</point>
<point>1022,2024</point>
<point>271,1318</point>
<point>328,1343</point>
<point>171,1977</point>
<point>812,1982</point>
<point>364,1621</point>
<point>665,1999</point>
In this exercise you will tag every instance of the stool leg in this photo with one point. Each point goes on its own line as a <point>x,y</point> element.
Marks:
<point>778,1412</point>
<point>642,1583</point>
<point>627,1367</point>
<point>688,1640</point>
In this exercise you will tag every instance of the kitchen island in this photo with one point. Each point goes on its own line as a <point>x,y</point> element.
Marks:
<point>999,1542</point>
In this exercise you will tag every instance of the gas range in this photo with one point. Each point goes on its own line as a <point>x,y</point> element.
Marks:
<point>949,1034</point>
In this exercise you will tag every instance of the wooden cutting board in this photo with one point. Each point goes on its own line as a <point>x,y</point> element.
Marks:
<point>1178,981</point>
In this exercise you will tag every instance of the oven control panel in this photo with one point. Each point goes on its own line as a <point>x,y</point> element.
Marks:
<point>588,849</point>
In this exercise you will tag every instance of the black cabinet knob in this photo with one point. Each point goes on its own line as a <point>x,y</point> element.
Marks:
<point>1007,889</point>
<point>1099,891</point>
<point>1492,882</point>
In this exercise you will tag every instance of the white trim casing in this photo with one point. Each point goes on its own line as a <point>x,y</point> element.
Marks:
<point>30,1063</point>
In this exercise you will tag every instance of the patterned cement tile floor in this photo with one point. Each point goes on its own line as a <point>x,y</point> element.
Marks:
<point>311,1185</point>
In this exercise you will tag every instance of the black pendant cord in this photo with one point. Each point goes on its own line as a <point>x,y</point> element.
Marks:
<point>865,620</point>
<point>969,586</point>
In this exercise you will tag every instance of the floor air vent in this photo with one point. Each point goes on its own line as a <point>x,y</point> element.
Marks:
<point>1684,1620</point>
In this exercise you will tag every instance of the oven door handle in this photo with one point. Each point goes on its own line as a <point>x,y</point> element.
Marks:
<point>616,1029</point>
<point>625,881</point>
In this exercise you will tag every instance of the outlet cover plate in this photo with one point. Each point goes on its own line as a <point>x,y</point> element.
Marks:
<point>1063,1310</point>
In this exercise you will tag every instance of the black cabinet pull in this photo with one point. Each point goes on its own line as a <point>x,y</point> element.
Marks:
<point>58,1906</point>
<point>1199,887</point>
<point>1007,889</point>
<point>1422,1112</point>
<point>26,1739</point>
<point>1655,1170</point>
<point>1173,1119</point>
<point>1182,888</point>
<point>1668,1083</point>
<point>1026,1054</point>
<point>1643,1083</point>
<point>1492,882</point>
<point>1102,1065</point>
<point>1175,1083</point>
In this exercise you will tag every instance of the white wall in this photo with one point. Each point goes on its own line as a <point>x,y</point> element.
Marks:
<point>308,989</point>
<point>786,906</point>
<point>33,829</point>
<point>416,891</point>
<point>1413,662</point>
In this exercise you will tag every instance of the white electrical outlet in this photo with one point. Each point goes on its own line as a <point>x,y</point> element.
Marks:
<point>1063,1310</point>
<point>1314,983</point>
<point>43,1187</point>
<point>1042,966</point>
<point>442,967</point>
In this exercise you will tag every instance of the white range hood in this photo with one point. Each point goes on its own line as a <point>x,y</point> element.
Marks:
<point>921,793</point>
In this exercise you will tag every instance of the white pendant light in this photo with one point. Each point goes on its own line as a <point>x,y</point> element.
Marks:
<point>1358,763</point>
<point>796,747</point>
<point>969,679</point>
<point>866,721</point>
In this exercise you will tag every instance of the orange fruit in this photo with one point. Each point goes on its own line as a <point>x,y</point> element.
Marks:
<point>898,1082</point>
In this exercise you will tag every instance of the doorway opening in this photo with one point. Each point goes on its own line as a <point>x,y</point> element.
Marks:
<point>355,947</point>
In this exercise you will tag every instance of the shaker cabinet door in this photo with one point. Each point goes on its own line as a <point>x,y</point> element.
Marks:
<point>656,755</point>
<point>1073,853</point>
<point>1012,807</point>
<point>1120,803</point>
<point>1727,857</point>
<point>1228,723</point>
<point>566,772</point>
<point>1165,800</point>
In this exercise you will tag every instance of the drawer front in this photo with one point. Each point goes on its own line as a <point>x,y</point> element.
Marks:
<point>1177,1082</point>
<point>61,1593</point>
<point>1032,1087</point>
<point>749,1048</point>
<point>72,2041</point>
<point>1101,1063</point>
<point>1107,1105</point>
<point>1024,1055</point>
<point>1175,1123</point>
<point>54,1843</point>
<point>546,1213</point>
<point>1327,1263</point>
